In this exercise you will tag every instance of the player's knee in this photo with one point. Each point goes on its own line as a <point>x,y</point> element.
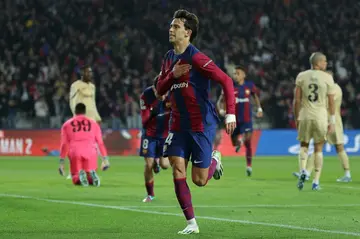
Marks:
<point>178,166</point>
<point>149,163</point>
<point>164,163</point>
<point>339,148</point>
<point>200,181</point>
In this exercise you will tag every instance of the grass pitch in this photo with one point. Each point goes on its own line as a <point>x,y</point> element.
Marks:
<point>36,202</point>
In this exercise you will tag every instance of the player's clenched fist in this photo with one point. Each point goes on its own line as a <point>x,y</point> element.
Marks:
<point>180,70</point>
<point>230,123</point>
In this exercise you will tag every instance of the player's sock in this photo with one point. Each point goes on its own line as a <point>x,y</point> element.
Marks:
<point>89,179</point>
<point>344,159</point>
<point>310,164</point>
<point>75,179</point>
<point>248,153</point>
<point>303,155</point>
<point>318,163</point>
<point>184,198</point>
<point>150,188</point>
<point>212,169</point>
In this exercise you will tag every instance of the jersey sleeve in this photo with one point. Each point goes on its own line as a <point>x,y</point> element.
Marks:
<point>207,68</point>
<point>254,90</point>
<point>72,97</point>
<point>298,81</point>
<point>64,142</point>
<point>331,88</point>
<point>145,110</point>
<point>99,140</point>
<point>166,78</point>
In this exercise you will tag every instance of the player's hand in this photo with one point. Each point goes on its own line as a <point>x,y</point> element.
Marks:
<point>180,70</point>
<point>331,128</point>
<point>259,114</point>
<point>105,164</point>
<point>230,123</point>
<point>62,170</point>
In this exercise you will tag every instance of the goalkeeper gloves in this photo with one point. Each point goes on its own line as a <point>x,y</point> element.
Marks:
<point>61,167</point>
<point>105,163</point>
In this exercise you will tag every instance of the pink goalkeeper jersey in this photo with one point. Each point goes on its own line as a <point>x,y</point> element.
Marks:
<point>81,133</point>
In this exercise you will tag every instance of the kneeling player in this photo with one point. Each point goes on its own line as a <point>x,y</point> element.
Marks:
<point>155,113</point>
<point>79,137</point>
<point>336,138</point>
<point>243,90</point>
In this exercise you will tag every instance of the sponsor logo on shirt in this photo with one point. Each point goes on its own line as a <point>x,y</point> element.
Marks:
<point>179,86</point>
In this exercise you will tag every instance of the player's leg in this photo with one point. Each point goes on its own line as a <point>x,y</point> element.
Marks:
<point>206,163</point>
<point>318,164</point>
<point>235,140</point>
<point>77,172</point>
<point>90,165</point>
<point>247,129</point>
<point>304,136</point>
<point>309,168</point>
<point>163,161</point>
<point>319,134</point>
<point>344,159</point>
<point>177,149</point>
<point>148,151</point>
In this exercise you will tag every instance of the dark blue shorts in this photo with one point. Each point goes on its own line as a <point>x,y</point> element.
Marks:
<point>151,147</point>
<point>197,145</point>
<point>242,128</point>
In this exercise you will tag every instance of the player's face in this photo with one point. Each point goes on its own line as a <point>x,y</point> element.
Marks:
<point>177,31</point>
<point>88,74</point>
<point>239,75</point>
<point>323,64</point>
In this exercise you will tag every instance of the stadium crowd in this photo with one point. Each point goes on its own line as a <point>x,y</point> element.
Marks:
<point>45,42</point>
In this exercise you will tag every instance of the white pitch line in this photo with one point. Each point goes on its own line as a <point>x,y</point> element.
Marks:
<point>248,206</point>
<point>180,215</point>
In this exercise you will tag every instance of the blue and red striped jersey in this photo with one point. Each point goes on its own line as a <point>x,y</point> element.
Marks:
<point>155,114</point>
<point>243,94</point>
<point>191,109</point>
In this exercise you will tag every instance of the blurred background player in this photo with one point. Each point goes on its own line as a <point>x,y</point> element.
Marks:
<point>83,91</point>
<point>187,72</point>
<point>336,138</point>
<point>79,137</point>
<point>155,114</point>
<point>221,126</point>
<point>314,88</point>
<point>243,91</point>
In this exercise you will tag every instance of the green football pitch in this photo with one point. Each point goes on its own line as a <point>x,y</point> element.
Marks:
<point>36,202</point>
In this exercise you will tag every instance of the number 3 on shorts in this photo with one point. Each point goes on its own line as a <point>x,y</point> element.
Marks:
<point>168,140</point>
<point>145,144</point>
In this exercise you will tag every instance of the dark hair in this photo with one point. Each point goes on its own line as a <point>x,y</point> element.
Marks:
<point>240,67</point>
<point>191,22</point>
<point>80,109</point>
<point>156,79</point>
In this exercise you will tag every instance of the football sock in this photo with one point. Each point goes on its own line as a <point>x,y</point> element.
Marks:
<point>318,163</point>
<point>344,159</point>
<point>310,164</point>
<point>75,179</point>
<point>303,155</point>
<point>212,169</point>
<point>150,188</point>
<point>184,197</point>
<point>248,153</point>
